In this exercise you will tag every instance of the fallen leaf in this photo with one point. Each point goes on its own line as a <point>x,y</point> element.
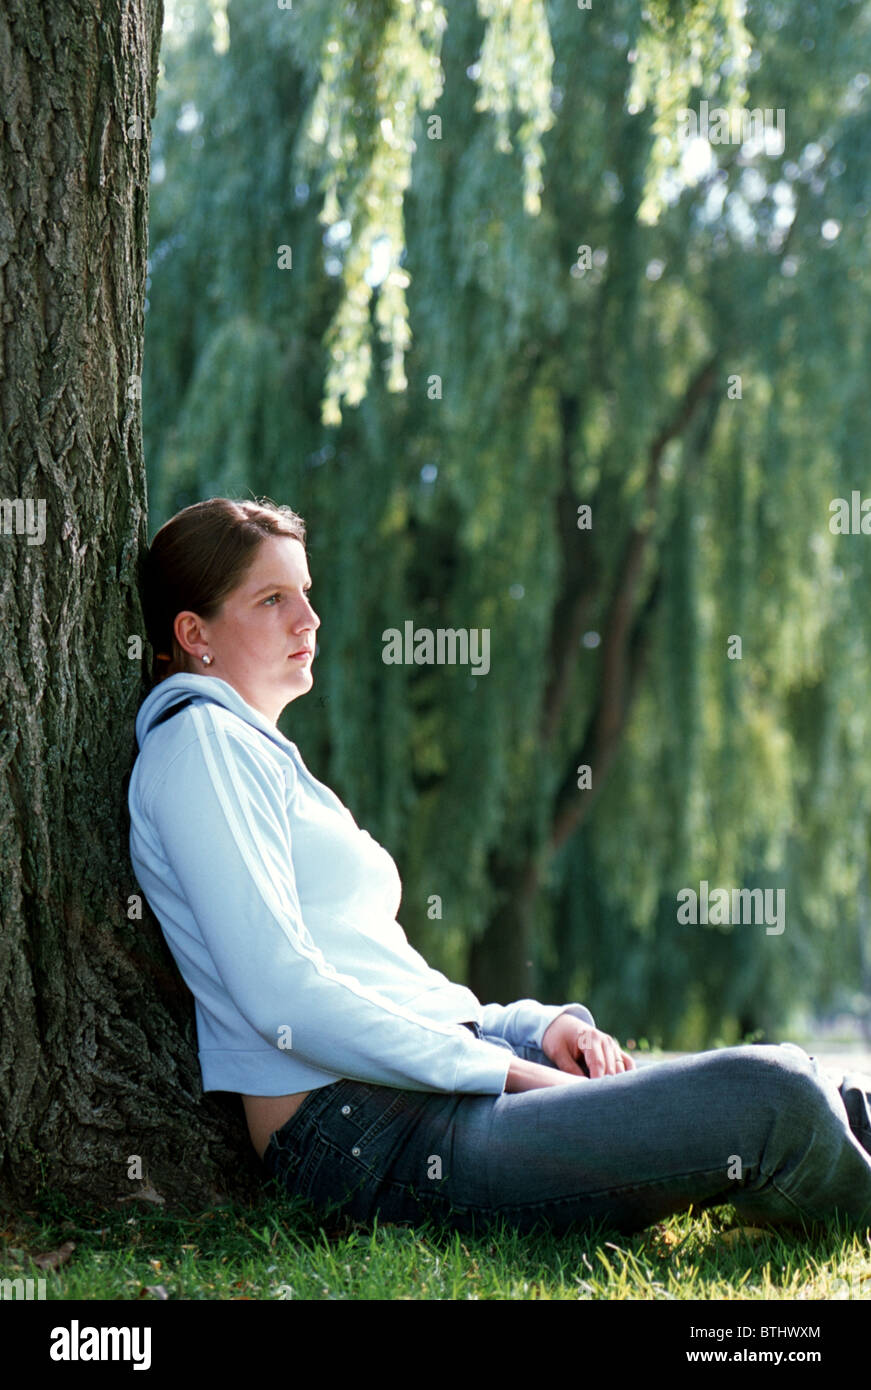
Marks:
<point>751,1232</point>
<point>146,1192</point>
<point>53,1259</point>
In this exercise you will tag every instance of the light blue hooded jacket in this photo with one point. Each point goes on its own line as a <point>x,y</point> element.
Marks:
<point>281,915</point>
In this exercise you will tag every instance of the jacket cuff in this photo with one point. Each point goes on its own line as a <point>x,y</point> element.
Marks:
<point>551,1011</point>
<point>483,1068</point>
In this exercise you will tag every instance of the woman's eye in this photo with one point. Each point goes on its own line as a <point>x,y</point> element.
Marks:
<point>307,592</point>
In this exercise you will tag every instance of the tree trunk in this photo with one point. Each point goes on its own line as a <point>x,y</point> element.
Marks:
<point>501,965</point>
<point>98,1058</point>
<point>500,968</point>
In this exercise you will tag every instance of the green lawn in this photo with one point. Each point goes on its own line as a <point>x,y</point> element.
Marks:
<point>281,1251</point>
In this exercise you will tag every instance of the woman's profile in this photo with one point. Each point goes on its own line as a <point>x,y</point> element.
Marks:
<point>371,1083</point>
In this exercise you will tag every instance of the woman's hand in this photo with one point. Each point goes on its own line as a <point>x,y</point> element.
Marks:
<point>568,1040</point>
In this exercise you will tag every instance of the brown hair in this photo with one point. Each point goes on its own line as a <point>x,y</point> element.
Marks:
<point>196,559</point>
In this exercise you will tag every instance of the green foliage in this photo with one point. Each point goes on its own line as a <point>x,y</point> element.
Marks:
<point>446,506</point>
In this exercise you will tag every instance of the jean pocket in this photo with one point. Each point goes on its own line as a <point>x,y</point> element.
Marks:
<point>361,1121</point>
<point>348,1148</point>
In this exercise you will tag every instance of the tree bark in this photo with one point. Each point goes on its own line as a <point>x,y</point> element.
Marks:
<point>98,1058</point>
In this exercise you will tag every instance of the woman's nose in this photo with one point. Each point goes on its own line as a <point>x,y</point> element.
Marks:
<point>311,618</point>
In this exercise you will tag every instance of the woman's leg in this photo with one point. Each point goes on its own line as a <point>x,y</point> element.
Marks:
<point>762,1127</point>
<point>854,1088</point>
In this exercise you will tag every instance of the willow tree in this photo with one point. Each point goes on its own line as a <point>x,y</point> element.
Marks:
<point>443,277</point>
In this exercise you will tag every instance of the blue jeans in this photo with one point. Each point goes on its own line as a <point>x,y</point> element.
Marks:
<point>762,1127</point>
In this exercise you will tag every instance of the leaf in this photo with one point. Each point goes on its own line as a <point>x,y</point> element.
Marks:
<point>750,1232</point>
<point>53,1259</point>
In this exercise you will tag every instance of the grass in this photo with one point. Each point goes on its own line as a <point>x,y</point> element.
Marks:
<point>281,1251</point>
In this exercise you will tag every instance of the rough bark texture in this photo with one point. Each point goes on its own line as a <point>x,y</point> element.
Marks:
<point>98,1052</point>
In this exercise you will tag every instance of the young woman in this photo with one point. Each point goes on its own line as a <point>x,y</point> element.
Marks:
<point>371,1083</point>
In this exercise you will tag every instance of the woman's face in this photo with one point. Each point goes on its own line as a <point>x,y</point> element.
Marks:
<point>261,623</point>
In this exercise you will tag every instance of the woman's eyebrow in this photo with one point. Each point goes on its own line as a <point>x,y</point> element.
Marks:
<point>270,588</point>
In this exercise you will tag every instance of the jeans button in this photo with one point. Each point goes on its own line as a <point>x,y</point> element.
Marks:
<point>346,1109</point>
<point>355,1152</point>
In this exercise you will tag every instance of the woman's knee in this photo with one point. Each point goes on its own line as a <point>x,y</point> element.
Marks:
<point>786,1076</point>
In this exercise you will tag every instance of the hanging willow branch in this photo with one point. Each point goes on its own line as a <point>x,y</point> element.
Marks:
<point>379,65</point>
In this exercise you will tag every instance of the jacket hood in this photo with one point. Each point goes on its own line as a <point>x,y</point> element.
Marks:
<point>184,685</point>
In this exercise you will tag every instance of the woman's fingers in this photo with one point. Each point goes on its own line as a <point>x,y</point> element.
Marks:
<point>615,1057</point>
<point>604,1056</point>
<point>595,1056</point>
<point>566,1062</point>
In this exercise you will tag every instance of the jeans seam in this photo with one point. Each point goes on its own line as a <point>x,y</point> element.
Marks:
<point>567,1198</point>
<point>796,1206</point>
<point>623,1190</point>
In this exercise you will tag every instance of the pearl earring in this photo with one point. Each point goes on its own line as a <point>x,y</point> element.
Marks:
<point>207,660</point>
